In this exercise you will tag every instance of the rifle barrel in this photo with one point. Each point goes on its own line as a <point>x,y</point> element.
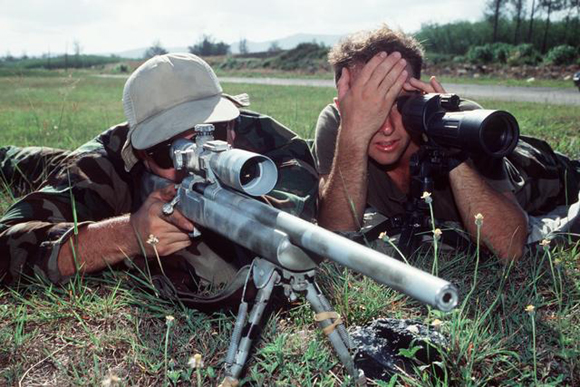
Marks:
<point>384,269</point>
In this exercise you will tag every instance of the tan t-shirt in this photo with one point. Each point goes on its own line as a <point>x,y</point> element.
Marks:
<point>382,194</point>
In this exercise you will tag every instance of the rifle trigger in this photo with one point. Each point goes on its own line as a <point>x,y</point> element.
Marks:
<point>195,233</point>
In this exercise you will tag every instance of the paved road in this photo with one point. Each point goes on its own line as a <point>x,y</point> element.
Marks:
<point>551,95</point>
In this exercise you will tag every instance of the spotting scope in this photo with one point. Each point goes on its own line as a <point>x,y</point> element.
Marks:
<point>439,121</point>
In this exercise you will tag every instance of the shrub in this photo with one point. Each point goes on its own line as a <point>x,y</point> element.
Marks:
<point>501,52</point>
<point>524,54</point>
<point>437,58</point>
<point>121,68</point>
<point>306,56</point>
<point>496,53</point>
<point>562,55</point>
<point>480,54</point>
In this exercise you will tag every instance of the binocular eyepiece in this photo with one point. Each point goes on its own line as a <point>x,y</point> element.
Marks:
<point>437,118</point>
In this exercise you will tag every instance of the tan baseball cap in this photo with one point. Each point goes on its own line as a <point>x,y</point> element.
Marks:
<point>169,94</point>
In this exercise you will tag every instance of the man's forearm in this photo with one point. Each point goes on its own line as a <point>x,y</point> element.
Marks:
<point>98,246</point>
<point>343,192</point>
<point>504,228</point>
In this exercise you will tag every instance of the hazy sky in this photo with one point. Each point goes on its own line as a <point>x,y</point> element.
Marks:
<point>102,26</point>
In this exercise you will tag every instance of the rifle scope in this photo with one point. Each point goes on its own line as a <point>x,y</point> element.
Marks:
<point>493,133</point>
<point>244,171</point>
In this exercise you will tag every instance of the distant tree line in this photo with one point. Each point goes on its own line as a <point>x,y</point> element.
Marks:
<point>512,31</point>
<point>543,24</point>
<point>206,46</point>
<point>63,61</point>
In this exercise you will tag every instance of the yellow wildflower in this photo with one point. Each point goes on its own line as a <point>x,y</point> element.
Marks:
<point>530,308</point>
<point>437,233</point>
<point>195,361</point>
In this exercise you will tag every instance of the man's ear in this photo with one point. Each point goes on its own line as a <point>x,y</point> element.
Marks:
<point>336,103</point>
<point>141,154</point>
<point>143,157</point>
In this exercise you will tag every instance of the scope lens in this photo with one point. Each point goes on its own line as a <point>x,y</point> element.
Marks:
<point>250,171</point>
<point>497,134</point>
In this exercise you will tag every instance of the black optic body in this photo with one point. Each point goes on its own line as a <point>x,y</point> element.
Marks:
<point>494,133</point>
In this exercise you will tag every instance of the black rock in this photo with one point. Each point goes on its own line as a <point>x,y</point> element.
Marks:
<point>378,345</point>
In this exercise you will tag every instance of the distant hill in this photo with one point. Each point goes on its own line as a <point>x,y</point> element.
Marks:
<point>286,43</point>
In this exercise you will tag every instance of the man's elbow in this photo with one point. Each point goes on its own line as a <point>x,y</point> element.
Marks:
<point>515,247</point>
<point>333,223</point>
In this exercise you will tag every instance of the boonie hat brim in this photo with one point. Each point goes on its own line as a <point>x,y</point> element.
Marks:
<point>180,118</point>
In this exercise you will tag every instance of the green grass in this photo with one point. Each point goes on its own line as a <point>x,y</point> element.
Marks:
<point>497,81</point>
<point>93,327</point>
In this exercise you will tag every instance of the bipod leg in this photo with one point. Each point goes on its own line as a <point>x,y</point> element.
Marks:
<point>332,326</point>
<point>240,345</point>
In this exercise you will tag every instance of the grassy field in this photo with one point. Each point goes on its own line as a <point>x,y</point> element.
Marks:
<point>110,330</point>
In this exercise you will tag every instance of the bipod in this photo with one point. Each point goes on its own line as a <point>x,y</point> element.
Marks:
<point>266,276</point>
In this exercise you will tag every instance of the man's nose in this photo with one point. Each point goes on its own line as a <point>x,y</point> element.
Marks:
<point>387,128</point>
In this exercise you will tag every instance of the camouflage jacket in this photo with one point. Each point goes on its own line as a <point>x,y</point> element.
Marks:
<point>90,184</point>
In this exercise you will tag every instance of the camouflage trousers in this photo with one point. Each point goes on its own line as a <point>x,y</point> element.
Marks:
<point>548,189</point>
<point>542,179</point>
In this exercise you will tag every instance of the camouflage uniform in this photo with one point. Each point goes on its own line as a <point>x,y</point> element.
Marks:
<point>90,184</point>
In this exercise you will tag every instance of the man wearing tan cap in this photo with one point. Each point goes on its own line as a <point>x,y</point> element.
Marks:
<point>90,214</point>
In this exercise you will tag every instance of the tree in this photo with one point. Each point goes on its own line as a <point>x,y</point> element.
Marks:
<point>518,14</point>
<point>77,49</point>
<point>9,57</point>
<point>207,47</point>
<point>550,6</point>
<point>155,49</point>
<point>66,56</point>
<point>274,47</point>
<point>531,27</point>
<point>495,7</point>
<point>570,5</point>
<point>243,46</point>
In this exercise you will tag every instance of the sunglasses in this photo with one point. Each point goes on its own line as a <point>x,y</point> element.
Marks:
<point>161,153</point>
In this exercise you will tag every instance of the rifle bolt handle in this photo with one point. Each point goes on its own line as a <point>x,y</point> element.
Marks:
<point>167,209</point>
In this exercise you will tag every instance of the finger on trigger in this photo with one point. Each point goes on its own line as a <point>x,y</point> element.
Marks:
<point>181,221</point>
